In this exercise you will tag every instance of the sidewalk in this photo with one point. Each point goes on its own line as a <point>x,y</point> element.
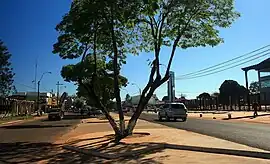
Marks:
<point>263,117</point>
<point>187,147</point>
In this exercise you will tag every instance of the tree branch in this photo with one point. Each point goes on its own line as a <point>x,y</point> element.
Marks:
<point>157,48</point>
<point>84,53</point>
<point>180,34</point>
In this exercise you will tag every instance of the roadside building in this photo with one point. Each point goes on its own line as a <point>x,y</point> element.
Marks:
<point>263,98</point>
<point>135,100</point>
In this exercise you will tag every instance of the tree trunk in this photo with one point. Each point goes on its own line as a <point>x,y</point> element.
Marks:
<point>132,122</point>
<point>92,94</point>
<point>217,104</point>
<point>142,103</point>
<point>200,103</point>
<point>116,81</point>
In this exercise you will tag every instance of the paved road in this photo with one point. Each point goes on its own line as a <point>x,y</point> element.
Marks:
<point>36,131</point>
<point>251,134</point>
<point>32,142</point>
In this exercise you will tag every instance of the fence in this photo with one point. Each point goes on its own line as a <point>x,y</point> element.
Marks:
<point>16,107</point>
<point>213,103</point>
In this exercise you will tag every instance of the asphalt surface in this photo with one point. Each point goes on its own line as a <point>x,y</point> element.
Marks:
<point>36,131</point>
<point>251,134</point>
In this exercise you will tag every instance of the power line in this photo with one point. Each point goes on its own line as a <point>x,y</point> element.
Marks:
<point>24,85</point>
<point>206,71</point>
<point>202,70</point>
<point>225,68</point>
<point>46,89</point>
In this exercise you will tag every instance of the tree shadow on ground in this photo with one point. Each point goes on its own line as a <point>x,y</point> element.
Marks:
<point>25,152</point>
<point>33,126</point>
<point>139,150</point>
<point>103,121</point>
<point>251,117</point>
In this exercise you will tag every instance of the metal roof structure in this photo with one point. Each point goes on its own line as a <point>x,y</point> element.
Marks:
<point>263,66</point>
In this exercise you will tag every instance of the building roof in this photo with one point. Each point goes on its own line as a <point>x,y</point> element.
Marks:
<point>263,66</point>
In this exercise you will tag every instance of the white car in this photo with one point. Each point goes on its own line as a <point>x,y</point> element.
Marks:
<point>173,110</point>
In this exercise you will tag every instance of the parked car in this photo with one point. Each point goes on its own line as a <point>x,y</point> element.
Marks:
<point>97,112</point>
<point>173,110</point>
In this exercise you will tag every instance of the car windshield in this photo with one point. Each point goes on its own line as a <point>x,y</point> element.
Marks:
<point>177,106</point>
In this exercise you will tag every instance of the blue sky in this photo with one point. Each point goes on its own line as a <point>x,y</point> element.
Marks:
<point>27,28</point>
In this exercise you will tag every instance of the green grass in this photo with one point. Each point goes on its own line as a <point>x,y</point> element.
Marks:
<point>14,118</point>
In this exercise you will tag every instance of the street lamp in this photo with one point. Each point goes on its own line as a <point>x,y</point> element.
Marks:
<point>138,88</point>
<point>38,89</point>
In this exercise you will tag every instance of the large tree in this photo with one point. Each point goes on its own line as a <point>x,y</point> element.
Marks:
<point>6,72</point>
<point>115,28</point>
<point>231,92</point>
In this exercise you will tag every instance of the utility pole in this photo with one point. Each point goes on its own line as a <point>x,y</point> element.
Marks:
<point>35,81</point>
<point>38,97</point>
<point>57,98</point>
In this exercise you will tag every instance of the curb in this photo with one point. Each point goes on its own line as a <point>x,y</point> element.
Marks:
<point>11,122</point>
<point>162,146</point>
<point>19,121</point>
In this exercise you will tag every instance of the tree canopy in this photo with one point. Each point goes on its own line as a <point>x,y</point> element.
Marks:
<point>6,72</point>
<point>231,88</point>
<point>204,95</point>
<point>254,87</point>
<point>103,84</point>
<point>78,103</point>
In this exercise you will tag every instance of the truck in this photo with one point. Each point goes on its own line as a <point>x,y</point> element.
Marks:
<point>57,112</point>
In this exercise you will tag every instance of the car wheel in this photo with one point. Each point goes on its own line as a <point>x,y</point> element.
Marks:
<point>167,118</point>
<point>184,119</point>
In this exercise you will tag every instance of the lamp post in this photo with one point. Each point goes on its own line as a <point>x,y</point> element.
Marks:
<point>58,88</point>
<point>138,88</point>
<point>38,90</point>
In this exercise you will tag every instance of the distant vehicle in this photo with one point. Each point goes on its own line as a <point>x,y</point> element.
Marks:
<point>173,110</point>
<point>97,112</point>
<point>125,110</point>
<point>57,112</point>
<point>86,110</point>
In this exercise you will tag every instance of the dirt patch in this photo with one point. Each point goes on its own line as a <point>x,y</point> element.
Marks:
<point>134,135</point>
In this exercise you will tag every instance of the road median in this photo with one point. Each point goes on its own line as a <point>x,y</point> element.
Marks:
<point>171,145</point>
